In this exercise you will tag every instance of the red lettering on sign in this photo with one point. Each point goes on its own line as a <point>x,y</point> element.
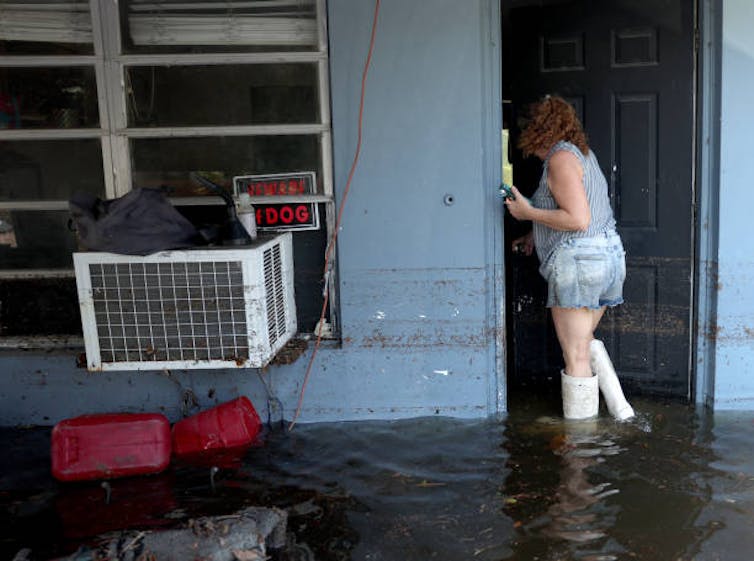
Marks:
<point>273,187</point>
<point>286,215</point>
<point>302,213</point>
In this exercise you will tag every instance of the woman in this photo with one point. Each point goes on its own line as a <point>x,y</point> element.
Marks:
<point>581,255</point>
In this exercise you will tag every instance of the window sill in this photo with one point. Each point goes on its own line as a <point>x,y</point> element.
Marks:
<point>42,343</point>
<point>296,346</point>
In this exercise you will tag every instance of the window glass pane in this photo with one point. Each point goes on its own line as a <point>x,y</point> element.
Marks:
<point>39,306</point>
<point>36,240</point>
<point>168,161</point>
<point>39,170</point>
<point>160,26</point>
<point>45,27</point>
<point>240,94</point>
<point>308,263</point>
<point>32,98</point>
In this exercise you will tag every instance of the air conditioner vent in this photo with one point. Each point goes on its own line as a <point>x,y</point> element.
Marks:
<point>208,308</point>
<point>273,280</point>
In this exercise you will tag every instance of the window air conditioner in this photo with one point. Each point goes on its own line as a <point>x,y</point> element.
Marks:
<point>200,308</point>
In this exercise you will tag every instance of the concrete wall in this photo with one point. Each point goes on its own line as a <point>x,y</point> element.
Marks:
<point>420,280</point>
<point>734,337</point>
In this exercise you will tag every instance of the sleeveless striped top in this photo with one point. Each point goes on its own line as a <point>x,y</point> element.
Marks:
<point>546,239</point>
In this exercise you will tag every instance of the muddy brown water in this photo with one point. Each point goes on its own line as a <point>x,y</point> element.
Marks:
<point>675,484</point>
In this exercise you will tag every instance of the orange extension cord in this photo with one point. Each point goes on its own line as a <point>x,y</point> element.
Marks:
<point>334,237</point>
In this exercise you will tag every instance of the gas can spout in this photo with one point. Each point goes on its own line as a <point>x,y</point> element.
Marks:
<point>108,491</point>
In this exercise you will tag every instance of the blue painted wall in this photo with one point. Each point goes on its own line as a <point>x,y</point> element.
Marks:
<point>734,338</point>
<point>420,281</point>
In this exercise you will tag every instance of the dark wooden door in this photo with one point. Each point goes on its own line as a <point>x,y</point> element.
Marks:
<point>628,68</point>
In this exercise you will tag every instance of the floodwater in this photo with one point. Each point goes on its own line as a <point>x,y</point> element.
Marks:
<point>675,484</point>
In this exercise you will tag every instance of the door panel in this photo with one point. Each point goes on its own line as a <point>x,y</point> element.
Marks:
<point>628,69</point>
<point>634,123</point>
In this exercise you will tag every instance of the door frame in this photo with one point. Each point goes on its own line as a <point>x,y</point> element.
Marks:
<point>705,201</point>
<point>492,124</point>
<point>707,181</point>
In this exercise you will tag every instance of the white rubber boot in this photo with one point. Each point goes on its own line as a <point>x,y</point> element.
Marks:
<point>609,384</point>
<point>581,396</point>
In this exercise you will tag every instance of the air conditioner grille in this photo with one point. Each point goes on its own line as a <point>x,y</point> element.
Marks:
<point>275,290</point>
<point>217,307</point>
<point>174,311</point>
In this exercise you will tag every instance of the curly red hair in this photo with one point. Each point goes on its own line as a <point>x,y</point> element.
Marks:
<point>550,120</point>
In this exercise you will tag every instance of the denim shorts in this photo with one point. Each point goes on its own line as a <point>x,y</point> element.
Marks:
<point>586,272</point>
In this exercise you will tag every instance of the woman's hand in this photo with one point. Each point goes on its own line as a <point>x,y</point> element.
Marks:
<point>519,206</point>
<point>524,244</point>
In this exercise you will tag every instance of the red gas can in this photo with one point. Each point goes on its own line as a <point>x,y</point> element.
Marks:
<point>230,425</point>
<point>110,445</point>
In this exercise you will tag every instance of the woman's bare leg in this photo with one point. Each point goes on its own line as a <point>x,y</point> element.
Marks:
<point>596,317</point>
<point>607,378</point>
<point>575,330</point>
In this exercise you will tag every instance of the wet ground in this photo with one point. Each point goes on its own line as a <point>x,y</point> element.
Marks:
<point>675,484</point>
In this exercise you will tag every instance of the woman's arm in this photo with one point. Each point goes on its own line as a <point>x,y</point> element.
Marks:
<point>565,177</point>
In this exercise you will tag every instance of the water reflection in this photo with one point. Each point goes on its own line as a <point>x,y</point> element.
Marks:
<point>571,516</point>
<point>623,490</point>
<point>673,485</point>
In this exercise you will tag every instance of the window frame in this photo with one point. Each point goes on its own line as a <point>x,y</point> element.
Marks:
<point>110,63</point>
